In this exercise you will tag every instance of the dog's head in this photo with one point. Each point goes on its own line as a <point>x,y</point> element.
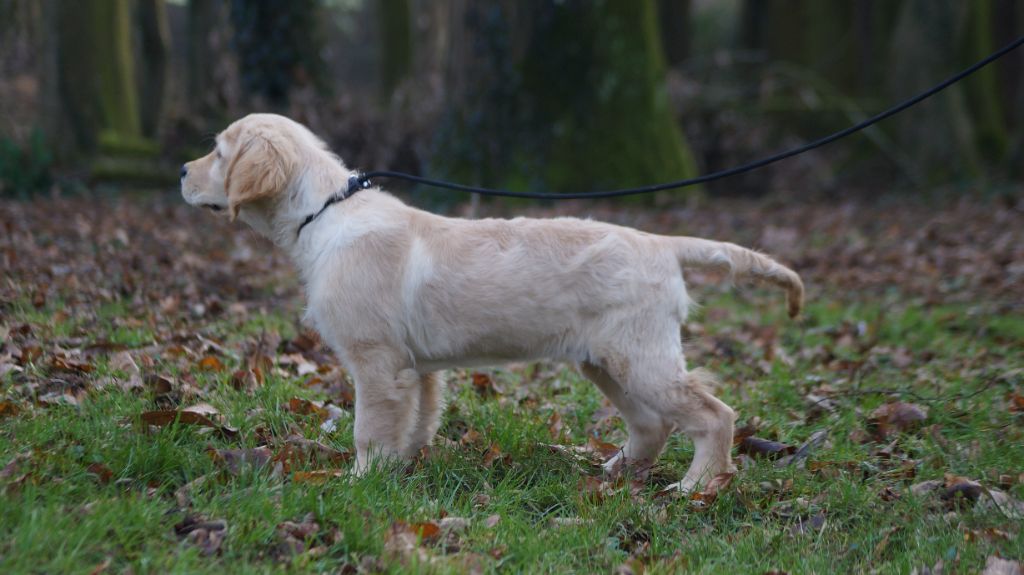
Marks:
<point>254,161</point>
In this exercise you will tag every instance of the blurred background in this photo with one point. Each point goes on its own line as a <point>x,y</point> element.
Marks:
<point>566,95</point>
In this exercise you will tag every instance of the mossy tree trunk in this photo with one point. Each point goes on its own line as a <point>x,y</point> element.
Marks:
<point>675,19</point>
<point>989,91</point>
<point>940,133</point>
<point>395,32</point>
<point>844,43</point>
<point>97,73</point>
<point>563,96</point>
<point>154,40</point>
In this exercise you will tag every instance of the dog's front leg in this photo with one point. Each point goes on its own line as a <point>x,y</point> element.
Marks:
<point>386,411</point>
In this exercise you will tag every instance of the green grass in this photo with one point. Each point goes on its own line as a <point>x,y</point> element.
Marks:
<point>959,362</point>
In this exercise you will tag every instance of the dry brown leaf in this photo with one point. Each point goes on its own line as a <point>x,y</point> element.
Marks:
<point>897,416</point>
<point>494,454</point>
<point>237,461</point>
<point>317,477</point>
<point>210,363</point>
<point>247,379</point>
<point>757,447</point>
<point>602,448</point>
<point>301,406</point>
<point>201,414</point>
<point>204,534</point>
<point>294,536</point>
<point>301,451</point>
<point>9,409</point>
<point>471,437</point>
<point>65,364</point>
<point>103,473</point>
<point>995,565</point>
<point>704,498</point>
<point>1016,402</point>
<point>555,425</point>
<point>484,385</point>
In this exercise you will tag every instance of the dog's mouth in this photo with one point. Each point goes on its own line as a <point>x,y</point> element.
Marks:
<point>212,207</point>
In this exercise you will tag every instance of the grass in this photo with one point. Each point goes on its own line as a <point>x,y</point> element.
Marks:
<point>58,517</point>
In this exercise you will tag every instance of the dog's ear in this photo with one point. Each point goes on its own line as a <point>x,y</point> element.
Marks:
<point>261,168</point>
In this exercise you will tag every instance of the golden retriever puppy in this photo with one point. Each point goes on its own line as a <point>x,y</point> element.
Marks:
<point>400,294</point>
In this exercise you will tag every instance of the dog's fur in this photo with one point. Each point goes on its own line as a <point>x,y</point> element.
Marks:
<point>401,294</point>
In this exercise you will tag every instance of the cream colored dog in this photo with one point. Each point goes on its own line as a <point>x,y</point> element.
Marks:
<point>401,294</point>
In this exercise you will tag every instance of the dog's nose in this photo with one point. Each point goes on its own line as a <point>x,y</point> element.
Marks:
<point>184,171</point>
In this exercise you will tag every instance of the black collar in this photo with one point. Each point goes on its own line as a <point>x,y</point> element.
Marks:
<point>355,183</point>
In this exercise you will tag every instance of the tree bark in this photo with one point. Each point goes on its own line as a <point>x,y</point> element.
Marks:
<point>563,96</point>
<point>395,22</point>
<point>674,17</point>
<point>154,40</point>
<point>96,71</point>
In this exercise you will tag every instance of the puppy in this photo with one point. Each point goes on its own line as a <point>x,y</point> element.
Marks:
<point>401,294</point>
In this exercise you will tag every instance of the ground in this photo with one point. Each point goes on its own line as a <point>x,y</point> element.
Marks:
<point>163,410</point>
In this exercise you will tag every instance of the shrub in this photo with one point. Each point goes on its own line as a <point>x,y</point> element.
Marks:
<point>25,169</point>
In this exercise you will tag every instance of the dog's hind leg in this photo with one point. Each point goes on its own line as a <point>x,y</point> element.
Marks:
<point>656,395</point>
<point>709,424</point>
<point>428,417</point>
<point>647,429</point>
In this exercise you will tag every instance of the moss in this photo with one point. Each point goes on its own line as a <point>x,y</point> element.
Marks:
<point>612,124</point>
<point>567,97</point>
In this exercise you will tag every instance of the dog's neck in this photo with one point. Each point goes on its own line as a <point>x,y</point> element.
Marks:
<point>277,219</point>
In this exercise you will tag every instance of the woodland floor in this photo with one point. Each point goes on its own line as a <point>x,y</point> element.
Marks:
<point>162,410</point>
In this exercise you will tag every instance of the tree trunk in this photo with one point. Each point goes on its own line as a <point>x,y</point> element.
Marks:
<point>843,43</point>
<point>563,96</point>
<point>154,40</point>
<point>395,21</point>
<point>279,45</point>
<point>938,133</point>
<point>96,68</point>
<point>674,17</point>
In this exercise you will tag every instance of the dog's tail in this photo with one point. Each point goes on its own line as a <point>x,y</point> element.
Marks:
<point>740,262</point>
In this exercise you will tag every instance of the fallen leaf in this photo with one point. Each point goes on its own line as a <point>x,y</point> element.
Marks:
<point>555,425</point>
<point>492,521</point>
<point>9,409</point>
<point>453,524</point>
<point>300,406</point>
<point>704,498</point>
<point>200,414</point>
<point>898,416</point>
<point>816,440</point>
<point>317,477</point>
<point>294,536</point>
<point>66,364</point>
<point>811,524</point>
<point>247,379</point>
<point>484,385</point>
<point>757,447</point>
<point>103,473</point>
<point>237,461</point>
<point>998,566</point>
<point>302,451</point>
<point>602,448</point>
<point>471,437</point>
<point>961,491</point>
<point>206,535</point>
<point>1016,403</point>
<point>210,363</point>
<point>493,454</point>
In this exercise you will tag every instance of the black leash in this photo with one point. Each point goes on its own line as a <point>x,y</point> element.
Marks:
<point>362,181</point>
